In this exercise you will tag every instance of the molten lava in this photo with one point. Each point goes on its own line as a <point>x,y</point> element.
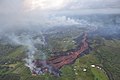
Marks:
<point>54,64</point>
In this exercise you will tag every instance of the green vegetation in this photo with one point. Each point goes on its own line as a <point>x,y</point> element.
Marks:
<point>109,56</point>
<point>98,74</point>
<point>64,44</point>
<point>105,55</point>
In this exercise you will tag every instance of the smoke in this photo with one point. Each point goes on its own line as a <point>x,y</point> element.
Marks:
<point>29,41</point>
<point>14,16</point>
<point>21,27</point>
<point>24,28</point>
<point>36,23</point>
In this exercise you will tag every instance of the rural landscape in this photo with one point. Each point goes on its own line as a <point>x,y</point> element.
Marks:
<point>47,44</point>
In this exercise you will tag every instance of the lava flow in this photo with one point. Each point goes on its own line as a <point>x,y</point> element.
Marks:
<point>54,64</point>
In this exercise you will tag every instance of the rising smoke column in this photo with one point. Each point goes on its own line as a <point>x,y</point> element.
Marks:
<point>29,41</point>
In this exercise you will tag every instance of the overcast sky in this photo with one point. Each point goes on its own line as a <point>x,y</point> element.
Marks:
<point>18,13</point>
<point>10,5</point>
<point>94,4</point>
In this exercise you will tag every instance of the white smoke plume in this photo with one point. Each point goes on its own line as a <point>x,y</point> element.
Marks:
<point>28,41</point>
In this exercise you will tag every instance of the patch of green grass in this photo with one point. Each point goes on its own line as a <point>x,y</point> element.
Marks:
<point>16,53</point>
<point>109,56</point>
<point>98,74</point>
<point>64,44</point>
<point>67,73</point>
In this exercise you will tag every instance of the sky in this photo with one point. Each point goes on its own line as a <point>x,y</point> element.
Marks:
<point>18,5</point>
<point>21,13</point>
<point>97,4</point>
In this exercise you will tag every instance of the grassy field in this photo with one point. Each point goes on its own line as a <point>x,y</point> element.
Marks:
<point>98,74</point>
<point>109,56</point>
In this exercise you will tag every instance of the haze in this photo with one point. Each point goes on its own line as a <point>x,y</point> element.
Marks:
<point>15,14</point>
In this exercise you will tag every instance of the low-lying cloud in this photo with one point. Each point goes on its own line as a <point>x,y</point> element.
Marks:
<point>14,16</point>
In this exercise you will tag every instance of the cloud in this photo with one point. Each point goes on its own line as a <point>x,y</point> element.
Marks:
<point>62,21</point>
<point>93,4</point>
<point>20,5</point>
<point>33,21</point>
<point>11,6</point>
<point>13,15</point>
